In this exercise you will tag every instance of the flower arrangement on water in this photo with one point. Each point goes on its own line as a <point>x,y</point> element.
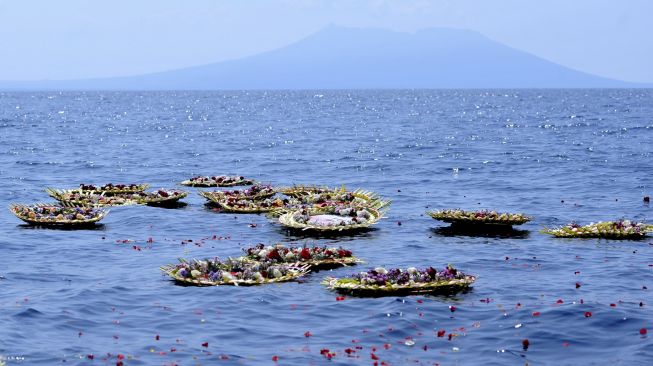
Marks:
<point>218,181</point>
<point>298,191</point>
<point>381,281</point>
<point>331,217</point>
<point>47,214</point>
<point>232,271</point>
<point>317,257</point>
<point>113,188</point>
<point>161,196</point>
<point>622,229</point>
<point>239,205</point>
<point>255,192</point>
<point>342,196</point>
<point>88,198</point>
<point>82,198</point>
<point>479,217</point>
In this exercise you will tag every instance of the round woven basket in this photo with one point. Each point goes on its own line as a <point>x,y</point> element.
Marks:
<point>21,211</point>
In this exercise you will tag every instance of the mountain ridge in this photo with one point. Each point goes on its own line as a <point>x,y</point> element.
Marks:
<point>360,58</point>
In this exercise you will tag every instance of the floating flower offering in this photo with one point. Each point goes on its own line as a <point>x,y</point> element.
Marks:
<point>89,199</point>
<point>622,229</point>
<point>298,191</point>
<point>479,217</point>
<point>53,215</point>
<point>235,272</point>
<point>381,281</point>
<point>249,206</point>
<point>160,197</point>
<point>317,257</point>
<point>332,218</point>
<point>256,192</point>
<point>357,197</point>
<point>218,181</point>
<point>77,198</point>
<point>111,188</point>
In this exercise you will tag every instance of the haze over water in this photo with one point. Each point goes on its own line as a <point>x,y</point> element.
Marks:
<point>558,155</point>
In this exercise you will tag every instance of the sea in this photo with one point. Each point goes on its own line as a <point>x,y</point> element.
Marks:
<point>98,296</point>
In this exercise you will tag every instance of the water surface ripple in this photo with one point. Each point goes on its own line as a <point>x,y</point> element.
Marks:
<point>559,155</point>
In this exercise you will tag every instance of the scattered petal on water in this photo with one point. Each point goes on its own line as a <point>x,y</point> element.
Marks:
<point>588,314</point>
<point>409,342</point>
<point>525,343</point>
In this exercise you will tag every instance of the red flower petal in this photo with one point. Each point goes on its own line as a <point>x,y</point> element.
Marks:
<point>588,314</point>
<point>441,333</point>
<point>536,313</point>
<point>643,331</point>
<point>275,358</point>
<point>340,298</point>
<point>205,344</point>
<point>373,356</point>
<point>307,334</point>
<point>525,343</point>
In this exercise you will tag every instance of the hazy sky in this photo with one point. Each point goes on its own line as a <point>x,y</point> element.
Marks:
<point>63,39</point>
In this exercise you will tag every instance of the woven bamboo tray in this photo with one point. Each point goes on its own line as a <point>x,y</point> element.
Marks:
<point>616,230</point>
<point>330,257</point>
<point>444,286</point>
<point>23,213</point>
<point>218,181</point>
<point>75,198</point>
<point>110,188</point>
<point>294,271</point>
<point>288,220</point>
<point>460,217</point>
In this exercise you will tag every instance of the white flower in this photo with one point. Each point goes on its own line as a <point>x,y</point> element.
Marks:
<point>195,273</point>
<point>258,277</point>
<point>381,270</point>
<point>411,270</point>
<point>227,277</point>
<point>276,273</point>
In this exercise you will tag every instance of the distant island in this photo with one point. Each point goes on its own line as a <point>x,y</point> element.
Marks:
<point>351,58</point>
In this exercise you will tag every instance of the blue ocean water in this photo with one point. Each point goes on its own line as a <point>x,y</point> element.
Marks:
<point>98,297</point>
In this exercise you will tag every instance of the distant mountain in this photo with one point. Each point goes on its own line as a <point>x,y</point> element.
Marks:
<point>347,58</point>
